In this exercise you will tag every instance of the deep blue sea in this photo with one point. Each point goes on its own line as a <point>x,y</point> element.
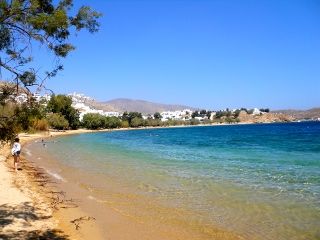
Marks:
<point>261,181</point>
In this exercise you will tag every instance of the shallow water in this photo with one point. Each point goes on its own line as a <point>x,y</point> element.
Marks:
<point>257,181</point>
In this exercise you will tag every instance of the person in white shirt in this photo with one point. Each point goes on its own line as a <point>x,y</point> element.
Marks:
<point>15,151</point>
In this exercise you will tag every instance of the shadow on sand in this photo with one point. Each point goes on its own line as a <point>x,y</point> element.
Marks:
<point>26,215</point>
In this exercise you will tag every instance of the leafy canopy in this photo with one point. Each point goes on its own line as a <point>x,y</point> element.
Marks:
<point>26,23</point>
<point>47,25</point>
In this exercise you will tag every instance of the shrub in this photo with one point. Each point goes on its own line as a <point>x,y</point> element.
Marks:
<point>137,122</point>
<point>112,122</point>
<point>40,125</point>
<point>93,121</point>
<point>124,124</point>
<point>57,121</point>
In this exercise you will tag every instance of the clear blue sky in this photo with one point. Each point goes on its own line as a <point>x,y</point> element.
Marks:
<point>206,54</point>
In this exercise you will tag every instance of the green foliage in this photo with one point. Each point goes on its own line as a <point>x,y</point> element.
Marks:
<point>124,124</point>
<point>93,121</point>
<point>40,125</point>
<point>220,114</point>
<point>62,104</point>
<point>264,110</point>
<point>236,113</point>
<point>25,25</point>
<point>157,115</point>
<point>203,112</point>
<point>131,115</point>
<point>194,122</point>
<point>57,121</point>
<point>8,126</point>
<point>153,122</point>
<point>250,111</point>
<point>195,114</point>
<point>15,118</point>
<point>97,121</point>
<point>112,122</point>
<point>137,122</point>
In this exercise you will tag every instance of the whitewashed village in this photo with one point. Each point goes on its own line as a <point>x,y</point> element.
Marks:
<point>80,102</point>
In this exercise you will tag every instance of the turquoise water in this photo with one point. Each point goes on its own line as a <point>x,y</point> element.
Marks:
<point>260,181</point>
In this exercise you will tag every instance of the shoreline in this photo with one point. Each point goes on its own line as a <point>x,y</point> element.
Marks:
<point>45,211</point>
<point>21,191</point>
<point>28,200</point>
<point>111,215</point>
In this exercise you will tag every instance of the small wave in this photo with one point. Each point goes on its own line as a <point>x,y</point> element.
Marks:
<point>92,198</point>
<point>56,176</point>
<point>28,152</point>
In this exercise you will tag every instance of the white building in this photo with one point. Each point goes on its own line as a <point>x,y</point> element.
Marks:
<point>176,115</point>
<point>256,111</point>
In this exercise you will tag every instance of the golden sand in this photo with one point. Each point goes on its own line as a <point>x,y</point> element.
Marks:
<point>31,205</point>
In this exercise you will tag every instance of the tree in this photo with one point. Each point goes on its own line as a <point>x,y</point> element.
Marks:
<point>236,113</point>
<point>157,115</point>
<point>57,121</point>
<point>124,124</point>
<point>136,122</point>
<point>93,121</point>
<point>62,104</point>
<point>208,114</point>
<point>129,116</point>
<point>264,110</point>
<point>26,24</point>
<point>195,114</point>
<point>112,122</point>
<point>220,114</point>
<point>203,112</point>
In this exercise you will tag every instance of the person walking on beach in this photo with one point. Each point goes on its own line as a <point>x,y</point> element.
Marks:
<point>15,151</point>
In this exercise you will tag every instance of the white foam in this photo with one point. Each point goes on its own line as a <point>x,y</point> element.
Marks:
<point>92,198</point>
<point>28,152</point>
<point>56,176</point>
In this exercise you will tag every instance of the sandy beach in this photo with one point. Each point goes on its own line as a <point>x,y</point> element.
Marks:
<point>29,203</point>
<point>32,205</point>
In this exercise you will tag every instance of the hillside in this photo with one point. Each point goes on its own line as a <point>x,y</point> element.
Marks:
<point>129,105</point>
<point>313,113</point>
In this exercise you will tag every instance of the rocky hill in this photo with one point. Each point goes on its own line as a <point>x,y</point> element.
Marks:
<point>309,114</point>
<point>264,118</point>
<point>129,105</point>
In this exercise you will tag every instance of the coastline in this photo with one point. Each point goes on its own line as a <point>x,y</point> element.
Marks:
<point>32,204</point>
<point>28,202</point>
<point>29,208</point>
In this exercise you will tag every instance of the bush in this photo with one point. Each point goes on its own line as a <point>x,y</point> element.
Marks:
<point>194,122</point>
<point>153,122</point>
<point>40,125</point>
<point>57,121</point>
<point>93,121</point>
<point>62,104</point>
<point>124,124</point>
<point>112,122</point>
<point>137,122</point>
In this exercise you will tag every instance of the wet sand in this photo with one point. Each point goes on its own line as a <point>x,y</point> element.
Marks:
<point>71,209</point>
<point>28,208</point>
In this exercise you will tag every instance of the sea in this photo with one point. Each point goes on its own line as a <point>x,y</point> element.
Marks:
<point>255,181</point>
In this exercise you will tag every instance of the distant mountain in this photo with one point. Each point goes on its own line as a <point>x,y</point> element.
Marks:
<point>130,105</point>
<point>313,113</point>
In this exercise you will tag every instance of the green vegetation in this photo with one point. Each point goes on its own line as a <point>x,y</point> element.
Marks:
<point>62,104</point>
<point>58,121</point>
<point>24,25</point>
